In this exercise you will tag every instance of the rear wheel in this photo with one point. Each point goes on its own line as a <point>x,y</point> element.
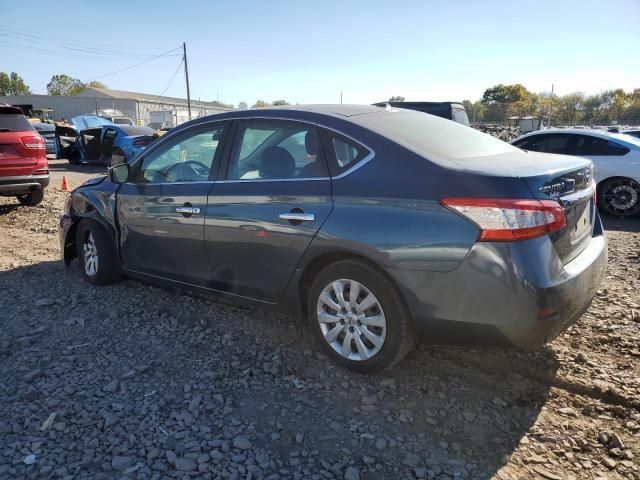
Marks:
<point>32,199</point>
<point>619,197</point>
<point>96,253</point>
<point>359,317</point>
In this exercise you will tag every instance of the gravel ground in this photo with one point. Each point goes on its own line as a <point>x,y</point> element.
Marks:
<point>134,381</point>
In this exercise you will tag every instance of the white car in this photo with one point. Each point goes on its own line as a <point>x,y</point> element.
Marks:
<point>616,163</point>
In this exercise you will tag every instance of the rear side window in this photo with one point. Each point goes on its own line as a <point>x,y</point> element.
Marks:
<point>343,153</point>
<point>14,122</point>
<point>599,146</point>
<point>275,150</point>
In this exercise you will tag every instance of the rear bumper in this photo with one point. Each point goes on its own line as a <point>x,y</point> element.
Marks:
<point>10,186</point>
<point>516,293</point>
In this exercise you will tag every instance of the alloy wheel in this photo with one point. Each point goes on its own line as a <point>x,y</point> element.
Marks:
<point>351,319</point>
<point>622,197</point>
<point>90,255</point>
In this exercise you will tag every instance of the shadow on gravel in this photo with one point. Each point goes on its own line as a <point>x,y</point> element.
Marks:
<point>7,208</point>
<point>145,375</point>
<point>621,224</point>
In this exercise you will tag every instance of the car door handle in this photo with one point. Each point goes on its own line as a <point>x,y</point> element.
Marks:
<point>297,217</point>
<point>189,210</point>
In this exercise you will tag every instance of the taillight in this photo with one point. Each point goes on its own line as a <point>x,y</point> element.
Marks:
<point>33,142</point>
<point>141,142</point>
<point>502,220</point>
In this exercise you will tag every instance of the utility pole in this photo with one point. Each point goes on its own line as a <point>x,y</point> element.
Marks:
<point>550,105</point>
<point>186,76</point>
<point>340,98</point>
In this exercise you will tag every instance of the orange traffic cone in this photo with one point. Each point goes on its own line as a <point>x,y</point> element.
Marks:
<point>65,184</point>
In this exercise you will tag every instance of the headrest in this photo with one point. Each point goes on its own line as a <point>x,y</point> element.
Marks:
<point>311,142</point>
<point>276,162</point>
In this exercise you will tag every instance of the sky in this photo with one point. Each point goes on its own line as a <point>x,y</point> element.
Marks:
<point>311,51</point>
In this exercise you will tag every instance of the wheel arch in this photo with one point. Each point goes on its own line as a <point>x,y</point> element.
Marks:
<point>70,247</point>
<point>323,260</point>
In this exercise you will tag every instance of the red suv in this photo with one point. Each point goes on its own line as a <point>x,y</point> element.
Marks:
<point>24,170</point>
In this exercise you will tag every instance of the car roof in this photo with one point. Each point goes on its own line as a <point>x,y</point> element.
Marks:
<point>339,110</point>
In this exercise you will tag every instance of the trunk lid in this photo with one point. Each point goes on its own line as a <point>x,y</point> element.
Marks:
<point>563,178</point>
<point>572,186</point>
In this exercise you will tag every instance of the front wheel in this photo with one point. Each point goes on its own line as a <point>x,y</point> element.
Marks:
<point>619,197</point>
<point>96,253</point>
<point>359,317</point>
<point>32,199</point>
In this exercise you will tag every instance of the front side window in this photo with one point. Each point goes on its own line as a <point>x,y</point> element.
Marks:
<point>275,149</point>
<point>535,143</point>
<point>189,157</point>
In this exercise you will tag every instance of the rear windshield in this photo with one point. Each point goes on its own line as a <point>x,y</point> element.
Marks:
<point>137,129</point>
<point>122,121</point>
<point>14,122</point>
<point>434,137</point>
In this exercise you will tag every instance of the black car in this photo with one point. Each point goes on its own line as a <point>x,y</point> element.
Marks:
<point>375,226</point>
<point>450,110</point>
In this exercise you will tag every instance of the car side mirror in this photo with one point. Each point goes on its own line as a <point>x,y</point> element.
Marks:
<point>120,173</point>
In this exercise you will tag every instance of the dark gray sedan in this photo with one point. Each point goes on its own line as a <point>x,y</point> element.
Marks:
<point>376,226</point>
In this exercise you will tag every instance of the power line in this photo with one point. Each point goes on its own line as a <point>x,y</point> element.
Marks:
<point>90,47</point>
<point>173,77</point>
<point>135,64</point>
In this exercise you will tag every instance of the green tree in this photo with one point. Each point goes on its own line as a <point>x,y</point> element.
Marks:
<point>260,103</point>
<point>506,94</point>
<point>279,103</point>
<point>13,84</point>
<point>96,84</point>
<point>242,106</point>
<point>475,110</point>
<point>62,84</point>
<point>397,98</point>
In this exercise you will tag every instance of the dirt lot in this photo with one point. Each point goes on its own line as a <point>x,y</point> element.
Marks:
<point>133,381</point>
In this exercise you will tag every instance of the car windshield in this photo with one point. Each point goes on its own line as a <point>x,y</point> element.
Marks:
<point>14,122</point>
<point>434,137</point>
<point>627,138</point>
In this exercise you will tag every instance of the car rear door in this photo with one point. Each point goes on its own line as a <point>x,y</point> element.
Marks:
<point>161,210</point>
<point>262,216</point>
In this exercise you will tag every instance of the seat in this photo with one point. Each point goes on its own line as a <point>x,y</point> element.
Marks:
<point>315,167</point>
<point>276,162</point>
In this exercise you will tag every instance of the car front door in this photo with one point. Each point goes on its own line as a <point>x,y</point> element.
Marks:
<point>263,215</point>
<point>161,209</point>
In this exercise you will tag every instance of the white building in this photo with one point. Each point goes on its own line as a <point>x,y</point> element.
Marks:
<point>136,106</point>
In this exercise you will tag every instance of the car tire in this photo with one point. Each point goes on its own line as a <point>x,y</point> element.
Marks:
<point>72,158</point>
<point>122,158</point>
<point>619,197</point>
<point>96,253</point>
<point>371,333</point>
<point>32,199</point>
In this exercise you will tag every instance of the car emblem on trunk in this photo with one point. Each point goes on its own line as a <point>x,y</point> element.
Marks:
<point>565,185</point>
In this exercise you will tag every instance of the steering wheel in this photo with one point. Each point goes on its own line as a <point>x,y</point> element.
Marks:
<point>195,166</point>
